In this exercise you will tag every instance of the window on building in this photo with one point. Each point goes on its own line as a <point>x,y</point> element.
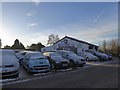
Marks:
<point>82,50</point>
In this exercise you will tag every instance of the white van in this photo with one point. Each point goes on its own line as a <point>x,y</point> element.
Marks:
<point>9,65</point>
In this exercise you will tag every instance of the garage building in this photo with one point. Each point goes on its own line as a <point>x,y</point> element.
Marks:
<point>71,44</point>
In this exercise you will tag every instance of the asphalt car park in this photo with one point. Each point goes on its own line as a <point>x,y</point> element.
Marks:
<point>94,74</point>
<point>24,76</point>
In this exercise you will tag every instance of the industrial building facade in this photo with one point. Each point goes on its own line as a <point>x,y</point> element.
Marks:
<point>70,44</point>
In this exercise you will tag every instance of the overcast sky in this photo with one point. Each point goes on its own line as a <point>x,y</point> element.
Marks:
<point>33,22</point>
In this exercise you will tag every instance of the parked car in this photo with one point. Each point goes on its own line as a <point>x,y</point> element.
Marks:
<point>89,56</point>
<point>35,62</point>
<point>56,60</point>
<point>74,59</point>
<point>9,65</point>
<point>20,55</point>
<point>100,55</point>
<point>109,56</point>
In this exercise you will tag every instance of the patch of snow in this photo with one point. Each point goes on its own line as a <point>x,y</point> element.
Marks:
<point>63,70</point>
<point>6,80</point>
<point>42,74</point>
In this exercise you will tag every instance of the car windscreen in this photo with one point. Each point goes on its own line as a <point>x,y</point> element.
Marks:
<point>88,53</point>
<point>8,53</point>
<point>71,54</point>
<point>56,55</point>
<point>37,56</point>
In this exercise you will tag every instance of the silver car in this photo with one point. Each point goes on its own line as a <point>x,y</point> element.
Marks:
<point>89,56</point>
<point>74,59</point>
<point>101,56</point>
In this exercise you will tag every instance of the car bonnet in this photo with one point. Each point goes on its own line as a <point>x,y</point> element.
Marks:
<point>9,60</point>
<point>39,62</point>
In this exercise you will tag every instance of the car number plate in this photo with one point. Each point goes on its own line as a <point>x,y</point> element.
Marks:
<point>64,64</point>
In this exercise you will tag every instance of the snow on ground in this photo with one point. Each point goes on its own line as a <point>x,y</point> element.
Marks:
<point>100,63</point>
<point>6,80</point>
<point>41,74</point>
<point>63,70</point>
<point>88,64</point>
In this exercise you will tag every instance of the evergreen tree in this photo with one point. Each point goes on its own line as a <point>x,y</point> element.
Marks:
<point>17,45</point>
<point>7,47</point>
<point>21,46</point>
<point>37,46</point>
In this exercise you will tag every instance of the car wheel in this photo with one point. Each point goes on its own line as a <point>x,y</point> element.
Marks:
<point>28,69</point>
<point>87,59</point>
<point>95,60</point>
<point>81,65</point>
<point>71,64</point>
<point>55,67</point>
<point>16,76</point>
<point>51,66</point>
<point>20,61</point>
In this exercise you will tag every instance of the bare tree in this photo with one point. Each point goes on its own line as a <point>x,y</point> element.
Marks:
<point>114,46</point>
<point>52,39</point>
<point>104,46</point>
<point>111,46</point>
<point>56,38</point>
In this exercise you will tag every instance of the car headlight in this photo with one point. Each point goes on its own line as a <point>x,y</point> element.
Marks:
<point>82,59</point>
<point>77,62</point>
<point>57,62</point>
<point>68,61</point>
<point>31,64</point>
<point>16,65</point>
<point>96,58</point>
<point>105,57</point>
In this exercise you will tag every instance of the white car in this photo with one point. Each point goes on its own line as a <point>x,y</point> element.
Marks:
<point>100,55</point>
<point>56,60</point>
<point>109,55</point>
<point>89,56</point>
<point>35,62</point>
<point>9,66</point>
<point>74,59</point>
